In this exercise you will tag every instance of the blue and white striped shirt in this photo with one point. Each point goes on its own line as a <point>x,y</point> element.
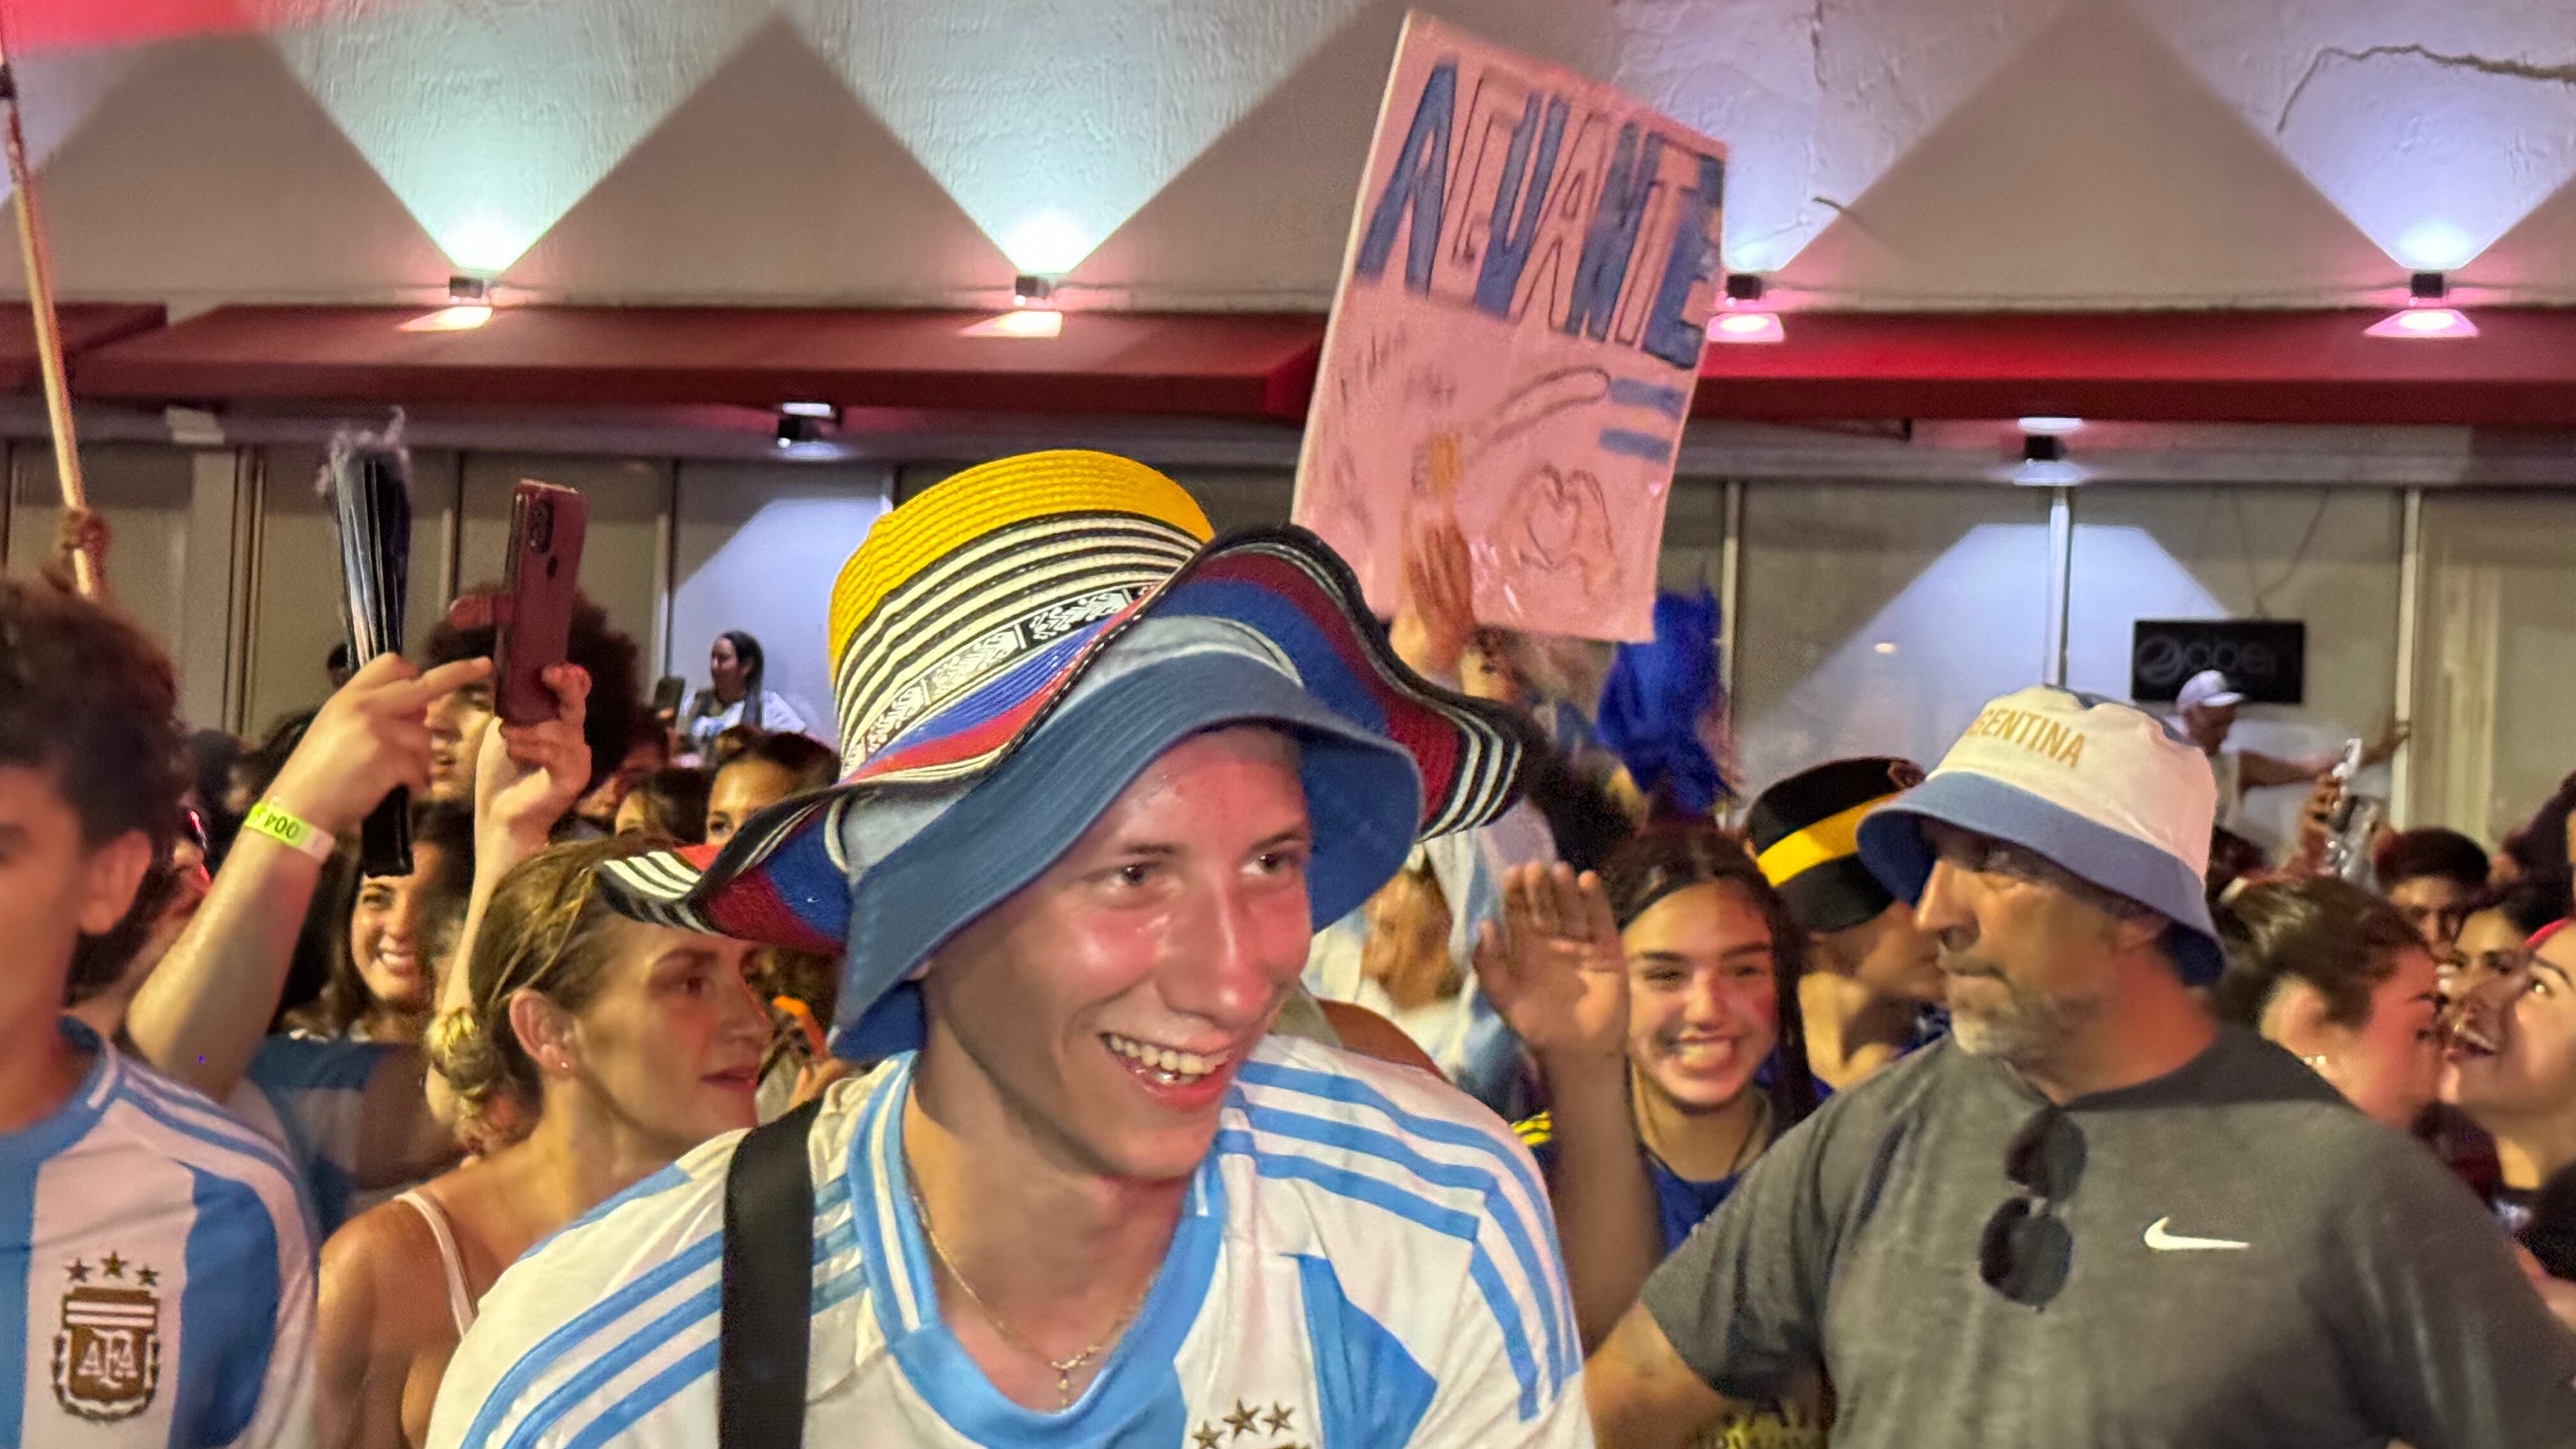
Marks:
<point>309,1096</point>
<point>1366,1261</point>
<point>156,1267</point>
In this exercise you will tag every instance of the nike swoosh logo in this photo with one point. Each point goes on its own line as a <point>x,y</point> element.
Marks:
<point>2165,1242</point>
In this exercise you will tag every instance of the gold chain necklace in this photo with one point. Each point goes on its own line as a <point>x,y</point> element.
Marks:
<point>1065,1368</point>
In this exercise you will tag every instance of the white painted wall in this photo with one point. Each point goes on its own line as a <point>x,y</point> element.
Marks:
<point>1886,152</point>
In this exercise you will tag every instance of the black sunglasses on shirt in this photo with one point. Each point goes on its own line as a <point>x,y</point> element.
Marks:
<point>2025,1251</point>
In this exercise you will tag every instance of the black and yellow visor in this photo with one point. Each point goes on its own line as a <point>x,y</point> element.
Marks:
<point>1805,834</point>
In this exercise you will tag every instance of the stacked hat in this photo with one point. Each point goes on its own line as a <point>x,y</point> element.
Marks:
<point>2103,789</point>
<point>1805,834</point>
<point>1010,650</point>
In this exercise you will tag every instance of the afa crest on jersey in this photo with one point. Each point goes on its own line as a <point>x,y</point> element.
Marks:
<point>107,1353</point>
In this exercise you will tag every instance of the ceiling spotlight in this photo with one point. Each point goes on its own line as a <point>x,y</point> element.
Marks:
<point>822,411</point>
<point>1035,322</point>
<point>2044,463</point>
<point>2053,427</point>
<point>469,305</point>
<point>1744,318</point>
<point>795,428</point>
<point>2424,316</point>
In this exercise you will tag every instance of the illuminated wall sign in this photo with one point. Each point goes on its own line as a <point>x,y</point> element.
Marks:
<point>2266,659</point>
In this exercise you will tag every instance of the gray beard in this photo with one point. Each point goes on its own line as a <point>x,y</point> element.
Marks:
<point>2027,1030</point>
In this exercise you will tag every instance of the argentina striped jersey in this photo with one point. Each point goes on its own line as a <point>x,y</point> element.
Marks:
<point>156,1271</point>
<point>1366,1261</point>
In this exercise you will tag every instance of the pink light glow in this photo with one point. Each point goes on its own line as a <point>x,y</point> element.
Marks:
<point>1031,322</point>
<point>2424,322</point>
<point>45,25</point>
<point>464,317</point>
<point>1734,327</point>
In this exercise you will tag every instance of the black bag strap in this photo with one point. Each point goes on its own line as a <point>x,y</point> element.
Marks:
<point>768,1291</point>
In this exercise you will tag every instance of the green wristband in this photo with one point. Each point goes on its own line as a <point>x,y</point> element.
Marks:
<point>266,819</point>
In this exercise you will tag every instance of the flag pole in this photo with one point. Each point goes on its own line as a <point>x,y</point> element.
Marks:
<point>40,306</point>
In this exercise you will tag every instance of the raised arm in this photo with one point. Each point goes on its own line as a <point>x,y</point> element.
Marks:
<point>201,1015</point>
<point>526,778</point>
<point>1553,967</point>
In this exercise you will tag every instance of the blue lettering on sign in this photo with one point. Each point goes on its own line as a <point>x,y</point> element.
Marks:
<point>1603,270</point>
<point>1507,246</point>
<point>1669,335</point>
<point>1421,176</point>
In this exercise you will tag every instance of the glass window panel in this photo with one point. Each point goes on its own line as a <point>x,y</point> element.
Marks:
<point>143,492</point>
<point>2325,557</point>
<point>2496,649</point>
<point>295,601</point>
<point>621,551</point>
<point>756,547</point>
<point>1876,619</point>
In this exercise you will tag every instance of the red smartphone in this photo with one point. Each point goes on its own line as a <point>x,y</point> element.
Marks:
<point>538,587</point>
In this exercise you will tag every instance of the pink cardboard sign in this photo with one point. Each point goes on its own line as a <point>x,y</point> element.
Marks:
<point>1528,285</point>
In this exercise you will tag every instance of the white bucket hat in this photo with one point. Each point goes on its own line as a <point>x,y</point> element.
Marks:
<point>2104,789</point>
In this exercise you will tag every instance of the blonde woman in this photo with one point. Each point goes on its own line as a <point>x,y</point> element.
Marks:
<point>592,1051</point>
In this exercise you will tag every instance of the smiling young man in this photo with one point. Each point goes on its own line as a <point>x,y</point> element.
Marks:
<point>156,1266</point>
<point>1103,779</point>
<point>2092,1216</point>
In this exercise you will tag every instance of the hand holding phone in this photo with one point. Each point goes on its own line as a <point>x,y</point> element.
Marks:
<point>539,588</point>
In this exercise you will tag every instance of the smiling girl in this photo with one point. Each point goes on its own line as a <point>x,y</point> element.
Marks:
<point>1661,1000</point>
<point>2511,1067</point>
<point>383,972</point>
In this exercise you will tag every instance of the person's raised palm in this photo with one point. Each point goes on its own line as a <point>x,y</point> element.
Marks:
<point>1553,965</point>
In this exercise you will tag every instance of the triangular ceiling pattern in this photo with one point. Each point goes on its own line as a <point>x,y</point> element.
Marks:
<point>1279,185</point>
<point>1052,123</point>
<point>210,176</point>
<point>842,212</point>
<point>490,118</point>
<point>2529,263</point>
<point>1815,102</point>
<point>2096,169</point>
<point>58,93</point>
<point>2434,127</point>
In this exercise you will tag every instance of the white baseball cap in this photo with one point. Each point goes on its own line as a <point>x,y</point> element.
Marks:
<point>2104,789</point>
<point>2208,687</point>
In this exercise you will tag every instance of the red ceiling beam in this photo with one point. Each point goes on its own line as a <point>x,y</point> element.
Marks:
<point>2280,367</point>
<point>85,325</point>
<point>2266,367</point>
<point>1215,365</point>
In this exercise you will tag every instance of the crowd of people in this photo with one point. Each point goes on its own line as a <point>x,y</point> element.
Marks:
<point>1178,1007</point>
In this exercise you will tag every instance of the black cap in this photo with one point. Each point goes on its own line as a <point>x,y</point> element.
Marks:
<point>1804,834</point>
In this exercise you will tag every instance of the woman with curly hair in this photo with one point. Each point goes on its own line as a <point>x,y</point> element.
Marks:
<point>592,1052</point>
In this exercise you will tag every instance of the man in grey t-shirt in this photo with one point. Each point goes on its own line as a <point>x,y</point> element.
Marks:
<point>2093,1217</point>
